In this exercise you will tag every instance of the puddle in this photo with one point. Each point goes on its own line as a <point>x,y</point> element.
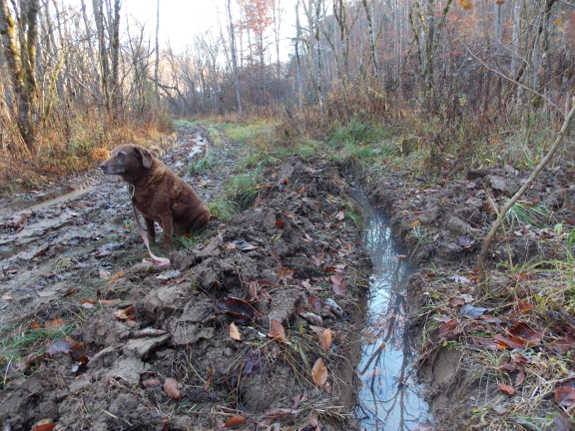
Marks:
<point>62,198</point>
<point>389,398</point>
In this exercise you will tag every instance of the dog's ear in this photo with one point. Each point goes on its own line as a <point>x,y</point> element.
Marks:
<point>146,156</point>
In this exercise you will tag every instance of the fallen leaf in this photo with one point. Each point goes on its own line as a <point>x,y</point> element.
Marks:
<point>279,224</point>
<point>415,223</point>
<point>447,326</point>
<point>171,388</point>
<point>125,314</point>
<point>151,383</point>
<point>163,426</point>
<point>456,302</point>
<point>253,362</point>
<point>277,330</point>
<point>326,338</point>
<point>514,343</point>
<point>421,427</point>
<point>319,373</point>
<point>240,309</point>
<point>235,421</point>
<point>276,257</point>
<point>499,409</point>
<point>507,389</point>
<point>561,423</point>
<point>7,297</point>
<point>59,346</point>
<point>471,311</point>
<point>44,425</point>
<point>56,323</point>
<point>108,301</point>
<point>315,302</point>
<point>105,274</point>
<point>235,332</point>
<point>285,275</point>
<point>522,330</point>
<point>338,286</point>
<point>253,291</point>
<point>565,396</point>
<point>312,318</point>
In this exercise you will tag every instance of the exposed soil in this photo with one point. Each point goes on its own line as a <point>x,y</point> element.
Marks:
<point>142,349</point>
<point>290,260</point>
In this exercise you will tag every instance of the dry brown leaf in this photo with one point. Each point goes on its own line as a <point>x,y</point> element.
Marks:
<point>325,339</point>
<point>56,323</point>
<point>235,332</point>
<point>507,389</point>
<point>338,285</point>
<point>108,301</point>
<point>171,388</point>
<point>44,425</point>
<point>151,383</point>
<point>235,421</point>
<point>319,373</point>
<point>115,277</point>
<point>277,330</point>
<point>565,396</point>
<point>125,314</point>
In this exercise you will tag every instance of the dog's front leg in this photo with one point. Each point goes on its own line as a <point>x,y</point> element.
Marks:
<point>151,230</point>
<point>168,226</point>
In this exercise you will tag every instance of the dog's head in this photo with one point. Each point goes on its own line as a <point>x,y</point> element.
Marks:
<point>128,159</point>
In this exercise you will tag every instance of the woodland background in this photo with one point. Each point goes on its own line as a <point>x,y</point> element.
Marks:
<point>79,78</point>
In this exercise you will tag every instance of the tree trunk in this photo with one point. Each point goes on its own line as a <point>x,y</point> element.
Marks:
<point>21,59</point>
<point>157,64</point>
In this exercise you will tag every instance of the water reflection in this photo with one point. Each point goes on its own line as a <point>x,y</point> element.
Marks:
<point>389,399</point>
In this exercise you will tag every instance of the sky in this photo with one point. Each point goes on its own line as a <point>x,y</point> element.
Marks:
<point>180,20</point>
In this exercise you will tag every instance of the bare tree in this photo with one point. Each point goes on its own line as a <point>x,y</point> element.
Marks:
<point>21,58</point>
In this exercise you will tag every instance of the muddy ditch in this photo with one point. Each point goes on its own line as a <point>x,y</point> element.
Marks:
<point>442,223</point>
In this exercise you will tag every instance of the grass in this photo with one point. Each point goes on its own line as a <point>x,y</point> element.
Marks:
<point>244,189</point>
<point>22,341</point>
<point>524,213</point>
<point>202,165</point>
<point>224,209</point>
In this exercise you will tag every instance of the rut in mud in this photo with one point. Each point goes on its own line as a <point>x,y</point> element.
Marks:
<point>149,350</point>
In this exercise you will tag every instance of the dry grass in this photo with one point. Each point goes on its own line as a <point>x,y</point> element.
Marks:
<point>533,360</point>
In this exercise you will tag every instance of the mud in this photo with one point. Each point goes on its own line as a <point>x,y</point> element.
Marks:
<point>124,324</point>
<point>109,343</point>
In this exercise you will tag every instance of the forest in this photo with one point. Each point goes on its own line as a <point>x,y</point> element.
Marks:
<point>430,140</point>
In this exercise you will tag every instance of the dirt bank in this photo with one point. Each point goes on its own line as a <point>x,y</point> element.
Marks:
<point>256,321</point>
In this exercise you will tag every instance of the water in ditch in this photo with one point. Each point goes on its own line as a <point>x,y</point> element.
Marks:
<point>390,399</point>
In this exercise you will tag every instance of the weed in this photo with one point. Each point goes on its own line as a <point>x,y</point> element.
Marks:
<point>224,209</point>
<point>244,189</point>
<point>202,165</point>
<point>192,239</point>
<point>526,213</point>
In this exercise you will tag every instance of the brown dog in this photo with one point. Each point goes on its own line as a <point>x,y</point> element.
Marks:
<point>159,194</point>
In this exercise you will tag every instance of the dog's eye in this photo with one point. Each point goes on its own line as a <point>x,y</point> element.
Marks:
<point>120,154</point>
